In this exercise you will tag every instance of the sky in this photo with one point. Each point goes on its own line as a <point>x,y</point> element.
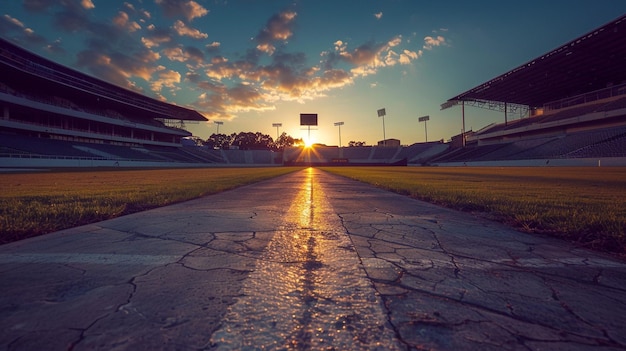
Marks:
<point>252,63</point>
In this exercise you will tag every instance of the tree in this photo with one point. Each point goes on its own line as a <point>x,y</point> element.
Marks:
<point>285,140</point>
<point>253,141</point>
<point>353,143</point>
<point>218,141</point>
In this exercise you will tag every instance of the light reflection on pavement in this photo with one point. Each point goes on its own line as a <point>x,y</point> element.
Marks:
<point>308,290</point>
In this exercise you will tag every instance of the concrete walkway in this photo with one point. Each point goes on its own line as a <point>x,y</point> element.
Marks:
<point>307,261</point>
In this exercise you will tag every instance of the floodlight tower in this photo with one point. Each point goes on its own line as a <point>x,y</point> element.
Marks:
<point>382,113</point>
<point>218,124</point>
<point>277,125</point>
<point>339,124</point>
<point>424,119</point>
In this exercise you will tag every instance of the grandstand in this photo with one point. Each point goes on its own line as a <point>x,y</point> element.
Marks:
<point>55,116</point>
<point>573,98</point>
<point>573,101</point>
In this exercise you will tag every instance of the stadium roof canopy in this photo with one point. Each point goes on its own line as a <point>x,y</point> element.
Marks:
<point>591,62</point>
<point>20,66</point>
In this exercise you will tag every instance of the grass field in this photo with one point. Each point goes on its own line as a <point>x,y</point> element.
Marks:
<point>36,203</point>
<point>584,205</point>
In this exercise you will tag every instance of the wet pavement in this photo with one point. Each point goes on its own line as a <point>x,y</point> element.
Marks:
<point>307,261</point>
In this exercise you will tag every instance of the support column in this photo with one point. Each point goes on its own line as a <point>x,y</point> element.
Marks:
<point>506,121</point>
<point>463,116</point>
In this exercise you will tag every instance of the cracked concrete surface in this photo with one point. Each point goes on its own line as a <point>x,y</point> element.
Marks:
<point>172,278</point>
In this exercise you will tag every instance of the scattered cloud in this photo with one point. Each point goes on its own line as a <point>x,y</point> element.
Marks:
<point>119,68</point>
<point>87,4</point>
<point>407,56</point>
<point>278,28</point>
<point>156,36</point>
<point>14,22</point>
<point>122,21</point>
<point>23,34</point>
<point>182,30</point>
<point>430,42</point>
<point>165,78</point>
<point>186,8</point>
<point>132,50</point>
<point>55,47</point>
<point>214,47</point>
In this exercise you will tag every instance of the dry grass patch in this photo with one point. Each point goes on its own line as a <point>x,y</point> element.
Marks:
<point>36,203</point>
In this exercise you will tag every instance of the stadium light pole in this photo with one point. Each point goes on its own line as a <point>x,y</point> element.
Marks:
<point>339,124</point>
<point>218,124</point>
<point>463,117</point>
<point>424,119</point>
<point>382,113</point>
<point>277,125</point>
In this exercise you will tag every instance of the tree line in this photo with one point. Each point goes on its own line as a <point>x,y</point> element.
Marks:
<point>254,141</point>
<point>251,141</point>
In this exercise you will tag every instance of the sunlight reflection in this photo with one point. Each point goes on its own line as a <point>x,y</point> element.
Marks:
<point>307,291</point>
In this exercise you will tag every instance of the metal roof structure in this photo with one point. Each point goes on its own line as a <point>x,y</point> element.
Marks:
<point>591,62</point>
<point>20,66</point>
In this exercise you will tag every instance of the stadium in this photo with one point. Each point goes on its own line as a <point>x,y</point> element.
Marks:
<point>564,108</point>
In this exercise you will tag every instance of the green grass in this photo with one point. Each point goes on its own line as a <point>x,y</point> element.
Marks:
<point>37,203</point>
<point>584,205</point>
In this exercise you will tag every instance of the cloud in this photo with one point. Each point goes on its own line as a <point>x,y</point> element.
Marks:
<point>118,67</point>
<point>21,33</point>
<point>186,8</point>
<point>87,4</point>
<point>365,54</point>
<point>43,5</point>
<point>185,54</point>
<point>214,47</point>
<point>129,49</point>
<point>246,84</point>
<point>278,28</point>
<point>156,36</point>
<point>55,47</point>
<point>182,30</point>
<point>122,21</point>
<point>9,22</point>
<point>407,56</point>
<point>369,57</point>
<point>165,78</point>
<point>430,42</point>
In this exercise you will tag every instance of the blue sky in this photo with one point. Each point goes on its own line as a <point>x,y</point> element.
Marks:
<point>253,63</point>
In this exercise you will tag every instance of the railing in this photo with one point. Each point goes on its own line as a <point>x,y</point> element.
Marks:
<point>605,93</point>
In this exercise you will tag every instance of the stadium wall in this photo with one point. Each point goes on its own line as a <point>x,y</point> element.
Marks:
<point>245,159</point>
<point>566,162</point>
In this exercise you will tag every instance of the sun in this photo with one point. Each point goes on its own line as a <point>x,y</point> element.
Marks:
<point>308,143</point>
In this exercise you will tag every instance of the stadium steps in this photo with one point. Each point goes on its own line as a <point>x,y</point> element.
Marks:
<point>41,147</point>
<point>590,150</point>
<point>201,155</point>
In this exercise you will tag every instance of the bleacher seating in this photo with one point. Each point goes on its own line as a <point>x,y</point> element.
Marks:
<point>41,147</point>
<point>384,153</point>
<point>606,142</point>
<point>357,153</point>
<point>572,112</point>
